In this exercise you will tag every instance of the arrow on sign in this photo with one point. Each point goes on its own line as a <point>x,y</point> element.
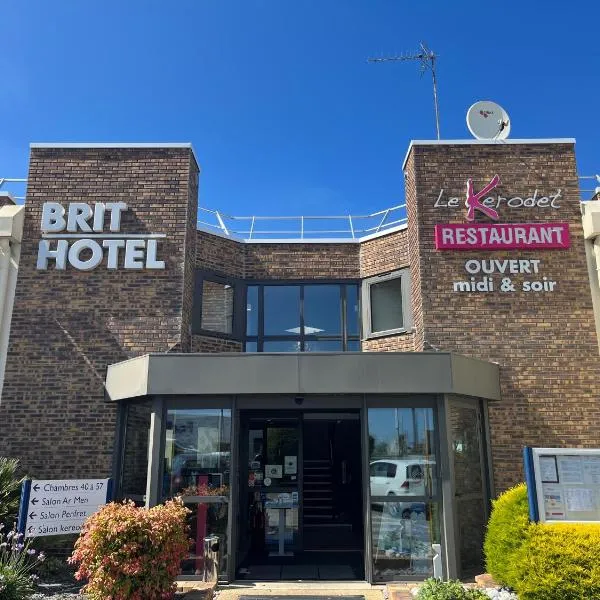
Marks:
<point>32,514</point>
<point>36,487</point>
<point>34,501</point>
<point>30,528</point>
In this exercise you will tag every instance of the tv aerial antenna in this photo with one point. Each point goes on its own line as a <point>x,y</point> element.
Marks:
<point>427,59</point>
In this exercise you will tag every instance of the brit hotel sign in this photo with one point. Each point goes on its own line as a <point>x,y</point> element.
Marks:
<point>481,274</point>
<point>78,235</point>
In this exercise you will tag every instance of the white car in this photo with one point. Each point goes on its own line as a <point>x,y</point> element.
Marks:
<point>401,477</point>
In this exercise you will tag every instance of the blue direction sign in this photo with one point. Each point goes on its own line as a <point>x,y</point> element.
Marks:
<point>60,506</point>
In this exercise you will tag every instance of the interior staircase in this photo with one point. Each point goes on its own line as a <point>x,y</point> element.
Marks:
<point>318,493</point>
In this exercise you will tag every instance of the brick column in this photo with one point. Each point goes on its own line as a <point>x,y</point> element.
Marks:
<point>68,325</point>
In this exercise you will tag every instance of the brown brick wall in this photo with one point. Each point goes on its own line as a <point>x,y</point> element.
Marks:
<point>207,343</point>
<point>219,254</point>
<point>302,261</point>
<point>379,256</point>
<point>384,254</point>
<point>69,325</point>
<point>545,343</point>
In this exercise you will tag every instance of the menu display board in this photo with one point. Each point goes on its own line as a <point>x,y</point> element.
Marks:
<point>563,484</point>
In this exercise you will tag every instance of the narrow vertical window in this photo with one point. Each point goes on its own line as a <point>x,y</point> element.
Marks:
<point>387,302</point>
<point>217,307</point>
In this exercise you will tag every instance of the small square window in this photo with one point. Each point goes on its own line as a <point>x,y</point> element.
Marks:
<point>217,307</point>
<point>386,300</point>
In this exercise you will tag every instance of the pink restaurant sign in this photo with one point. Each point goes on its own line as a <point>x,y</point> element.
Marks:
<point>502,236</point>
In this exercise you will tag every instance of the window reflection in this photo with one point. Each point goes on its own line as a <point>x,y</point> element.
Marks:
<point>217,306</point>
<point>403,541</point>
<point>252,310</point>
<point>197,452</point>
<point>404,508</point>
<point>322,310</point>
<point>282,310</point>
<point>302,318</point>
<point>402,452</point>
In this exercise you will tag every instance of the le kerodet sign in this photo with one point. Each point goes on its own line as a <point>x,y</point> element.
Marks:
<point>490,236</point>
<point>500,236</point>
<point>60,506</point>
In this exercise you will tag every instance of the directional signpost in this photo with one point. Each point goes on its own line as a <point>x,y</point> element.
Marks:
<point>60,506</point>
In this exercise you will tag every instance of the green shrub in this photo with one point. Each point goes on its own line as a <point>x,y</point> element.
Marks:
<point>541,561</point>
<point>10,491</point>
<point>436,589</point>
<point>507,531</point>
<point>559,562</point>
<point>131,553</point>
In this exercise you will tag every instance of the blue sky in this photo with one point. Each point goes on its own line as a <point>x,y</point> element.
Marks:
<point>285,114</point>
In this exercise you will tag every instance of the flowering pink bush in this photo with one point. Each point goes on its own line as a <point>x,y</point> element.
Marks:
<point>131,553</point>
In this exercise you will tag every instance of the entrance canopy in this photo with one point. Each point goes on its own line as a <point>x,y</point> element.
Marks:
<point>302,373</point>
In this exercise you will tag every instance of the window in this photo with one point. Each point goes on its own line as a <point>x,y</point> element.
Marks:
<point>305,317</point>
<point>386,303</point>
<point>217,307</point>
<point>405,491</point>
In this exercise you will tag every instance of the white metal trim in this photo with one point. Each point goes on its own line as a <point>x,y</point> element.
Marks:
<point>474,142</point>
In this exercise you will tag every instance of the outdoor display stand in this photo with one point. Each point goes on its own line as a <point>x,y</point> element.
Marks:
<point>283,503</point>
<point>563,484</point>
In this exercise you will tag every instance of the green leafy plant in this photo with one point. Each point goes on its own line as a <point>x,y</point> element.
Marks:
<point>131,553</point>
<point>10,490</point>
<point>507,531</point>
<point>17,561</point>
<point>436,589</point>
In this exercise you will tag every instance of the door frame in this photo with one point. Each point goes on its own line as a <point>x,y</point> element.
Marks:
<point>264,408</point>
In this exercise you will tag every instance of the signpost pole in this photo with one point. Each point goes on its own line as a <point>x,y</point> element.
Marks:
<point>531,487</point>
<point>24,503</point>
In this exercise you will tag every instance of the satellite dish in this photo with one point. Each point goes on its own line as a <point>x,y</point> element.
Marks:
<point>488,121</point>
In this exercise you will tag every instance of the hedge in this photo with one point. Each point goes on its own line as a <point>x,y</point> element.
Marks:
<point>541,561</point>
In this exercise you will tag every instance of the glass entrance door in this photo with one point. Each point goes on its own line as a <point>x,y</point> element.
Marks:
<point>300,496</point>
<point>270,487</point>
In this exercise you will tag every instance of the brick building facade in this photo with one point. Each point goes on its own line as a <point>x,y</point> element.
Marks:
<point>70,325</point>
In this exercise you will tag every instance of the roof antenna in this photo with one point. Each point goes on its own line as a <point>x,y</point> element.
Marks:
<point>427,58</point>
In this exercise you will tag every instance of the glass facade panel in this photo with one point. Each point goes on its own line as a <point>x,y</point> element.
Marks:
<point>252,310</point>
<point>469,488</point>
<point>352,310</point>
<point>206,519</point>
<point>282,346</point>
<point>402,540</point>
<point>322,310</point>
<point>386,305</point>
<point>323,346</point>
<point>197,452</point>
<point>135,451</point>
<point>302,318</point>
<point>402,452</point>
<point>217,307</point>
<point>282,310</point>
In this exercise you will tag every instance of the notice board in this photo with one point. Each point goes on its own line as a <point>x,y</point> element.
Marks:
<point>563,484</point>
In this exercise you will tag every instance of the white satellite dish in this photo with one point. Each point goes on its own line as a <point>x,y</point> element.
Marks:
<point>488,121</point>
